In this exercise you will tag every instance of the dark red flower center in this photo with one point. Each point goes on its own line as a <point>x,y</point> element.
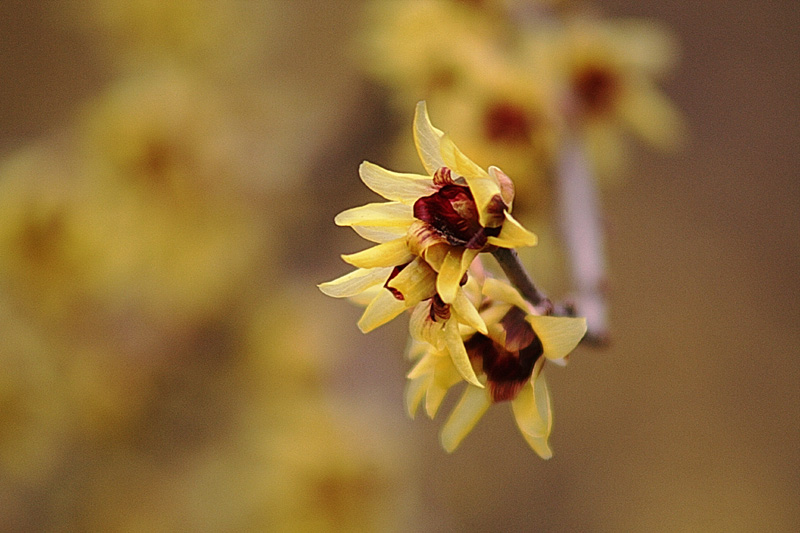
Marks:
<point>451,212</point>
<point>508,368</point>
<point>596,89</point>
<point>506,122</point>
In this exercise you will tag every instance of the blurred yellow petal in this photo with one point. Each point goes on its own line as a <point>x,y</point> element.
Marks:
<point>377,214</point>
<point>381,310</point>
<point>390,253</point>
<point>470,408</point>
<point>355,282</point>
<point>559,335</point>
<point>414,393</point>
<point>427,140</point>
<point>458,353</point>
<point>513,235</point>
<point>502,291</point>
<point>405,188</point>
<point>434,397</point>
<point>651,115</point>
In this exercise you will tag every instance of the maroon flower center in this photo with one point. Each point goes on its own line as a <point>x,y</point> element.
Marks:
<point>505,122</point>
<point>452,213</point>
<point>508,368</point>
<point>596,89</point>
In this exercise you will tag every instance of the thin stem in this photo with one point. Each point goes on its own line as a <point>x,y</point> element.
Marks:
<point>519,277</point>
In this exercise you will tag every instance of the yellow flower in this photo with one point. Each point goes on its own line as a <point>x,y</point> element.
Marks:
<point>428,234</point>
<point>509,361</point>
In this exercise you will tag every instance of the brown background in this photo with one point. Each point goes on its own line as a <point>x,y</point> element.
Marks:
<point>690,421</point>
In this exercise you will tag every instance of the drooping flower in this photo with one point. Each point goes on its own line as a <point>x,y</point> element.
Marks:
<point>427,234</point>
<point>508,360</point>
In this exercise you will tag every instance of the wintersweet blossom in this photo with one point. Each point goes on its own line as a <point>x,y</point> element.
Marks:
<point>428,233</point>
<point>508,360</point>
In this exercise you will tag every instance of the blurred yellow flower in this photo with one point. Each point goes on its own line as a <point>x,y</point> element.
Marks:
<point>608,70</point>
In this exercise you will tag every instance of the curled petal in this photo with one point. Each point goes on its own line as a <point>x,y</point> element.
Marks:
<point>377,214</point>
<point>458,353</point>
<point>470,408</point>
<point>400,187</point>
<point>506,186</point>
<point>424,328</point>
<point>386,254</point>
<point>513,235</point>
<point>559,335</point>
<point>416,282</point>
<point>534,416</point>
<point>427,140</point>
<point>383,308</point>
<point>355,282</point>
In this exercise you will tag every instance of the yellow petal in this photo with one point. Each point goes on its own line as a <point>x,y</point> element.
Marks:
<point>427,140</point>
<point>506,185</point>
<point>386,254</point>
<point>355,282</point>
<point>415,391</point>
<point>380,233</point>
<point>377,214</point>
<point>434,397</point>
<point>513,235</point>
<point>381,310</point>
<point>534,416</point>
<point>450,275</point>
<point>405,188</point>
<point>461,164</point>
<point>559,335</point>
<point>500,290</point>
<point>416,282</point>
<point>458,353</point>
<point>425,329</point>
<point>470,408</point>
<point>466,313</point>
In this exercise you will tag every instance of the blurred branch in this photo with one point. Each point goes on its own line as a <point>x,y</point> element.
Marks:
<point>581,227</point>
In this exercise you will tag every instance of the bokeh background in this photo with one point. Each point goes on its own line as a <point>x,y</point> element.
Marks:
<point>169,176</point>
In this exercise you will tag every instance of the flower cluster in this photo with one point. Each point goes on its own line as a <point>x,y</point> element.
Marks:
<point>465,324</point>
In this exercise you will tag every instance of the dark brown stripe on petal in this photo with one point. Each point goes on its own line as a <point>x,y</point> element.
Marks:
<point>442,177</point>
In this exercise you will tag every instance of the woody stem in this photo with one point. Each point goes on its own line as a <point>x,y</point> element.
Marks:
<point>519,277</point>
